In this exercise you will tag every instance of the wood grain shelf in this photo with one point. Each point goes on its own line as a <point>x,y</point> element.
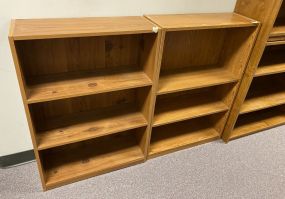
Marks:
<point>278,30</point>
<point>26,29</point>
<point>258,121</point>
<point>68,85</point>
<point>187,105</point>
<point>272,61</point>
<point>81,160</point>
<point>265,92</point>
<point>201,21</point>
<point>186,79</point>
<point>181,135</point>
<point>78,127</point>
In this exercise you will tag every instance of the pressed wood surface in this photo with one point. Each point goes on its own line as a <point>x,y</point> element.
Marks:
<point>278,29</point>
<point>179,135</point>
<point>69,67</point>
<point>71,120</point>
<point>83,126</point>
<point>200,21</point>
<point>258,121</point>
<point>68,85</point>
<point>85,159</point>
<point>185,79</point>
<point>23,29</point>
<point>266,13</point>
<point>272,61</point>
<point>264,92</point>
<point>190,104</point>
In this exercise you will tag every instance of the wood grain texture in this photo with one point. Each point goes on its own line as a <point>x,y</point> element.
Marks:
<point>266,12</point>
<point>186,79</point>
<point>25,29</point>
<point>265,91</point>
<point>200,21</point>
<point>179,107</point>
<point>83,126</point>
<point>72,85</point>
<point>82,160</point>
<point>272,61</point>
<point>177,136</point>
<point>258,121</point>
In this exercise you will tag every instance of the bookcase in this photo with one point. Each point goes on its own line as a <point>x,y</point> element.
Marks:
<point>203,60</point>
<point>87,88</point>
<point>259,104</point>
<point>105,93</point>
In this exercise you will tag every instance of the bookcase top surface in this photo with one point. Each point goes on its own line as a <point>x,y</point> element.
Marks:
<point>201,21</point>
<point>25,29</point>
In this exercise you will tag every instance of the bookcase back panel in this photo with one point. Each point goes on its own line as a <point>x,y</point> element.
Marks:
<point>46,57</point>
<point>192,48</point>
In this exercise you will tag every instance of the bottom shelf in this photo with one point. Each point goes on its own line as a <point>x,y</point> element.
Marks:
<point>176,136</point>
<point>257,121</point>
<point>81,160</point>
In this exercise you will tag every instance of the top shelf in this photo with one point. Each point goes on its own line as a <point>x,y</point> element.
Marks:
<point>201,21</point>
<point>26,29</point>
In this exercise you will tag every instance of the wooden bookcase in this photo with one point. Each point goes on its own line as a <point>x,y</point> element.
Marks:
<point>104,93</point>
<point>259,104</point>
<point>87,89</point>
<point>203,60</point>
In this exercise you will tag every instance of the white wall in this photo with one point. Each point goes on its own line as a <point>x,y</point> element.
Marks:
<point>14,133</point>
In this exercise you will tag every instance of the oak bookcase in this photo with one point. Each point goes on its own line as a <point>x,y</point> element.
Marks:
<point>260,101</point>
<point>105,93</point>
<point>203,60</point>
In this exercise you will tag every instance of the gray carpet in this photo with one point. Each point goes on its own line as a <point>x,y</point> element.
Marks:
<point>251,167</point>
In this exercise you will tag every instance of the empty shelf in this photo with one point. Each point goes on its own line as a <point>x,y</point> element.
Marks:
<point>72,163</point>
<point>257,121</point>
<point>279,28</point>
<point>83,126</point>
<point>264,101</point>
<point>272,63</point>
<point>72,85</point>
<point>171,110</point>
<point>174,137</point>
<point>186,79</point>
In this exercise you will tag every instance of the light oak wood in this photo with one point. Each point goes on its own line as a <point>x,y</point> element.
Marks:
<point>200,21</point>
<point>266,12</point>
<point>26,29</point>
<point>71,73</point>
<point>177,136</point>
<point>272,61</point>
<point>188,105</point>
<point>258,121</point>
<point>81,160</point>
<point>79,127</point>
<point>104,93</point>
<point>66,85</point>
<point>208,53</point>
<point>186,79</point>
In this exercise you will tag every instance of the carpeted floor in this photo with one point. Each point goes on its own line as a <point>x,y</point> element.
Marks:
<point>251,167</point>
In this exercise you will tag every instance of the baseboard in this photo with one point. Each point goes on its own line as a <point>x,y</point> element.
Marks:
<point>17,158</point>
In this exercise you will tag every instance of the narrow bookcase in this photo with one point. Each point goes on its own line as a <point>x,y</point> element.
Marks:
<point>105,93</point>
<point>260,101</point>
<point>203,60</point>
<point>87,87</point>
